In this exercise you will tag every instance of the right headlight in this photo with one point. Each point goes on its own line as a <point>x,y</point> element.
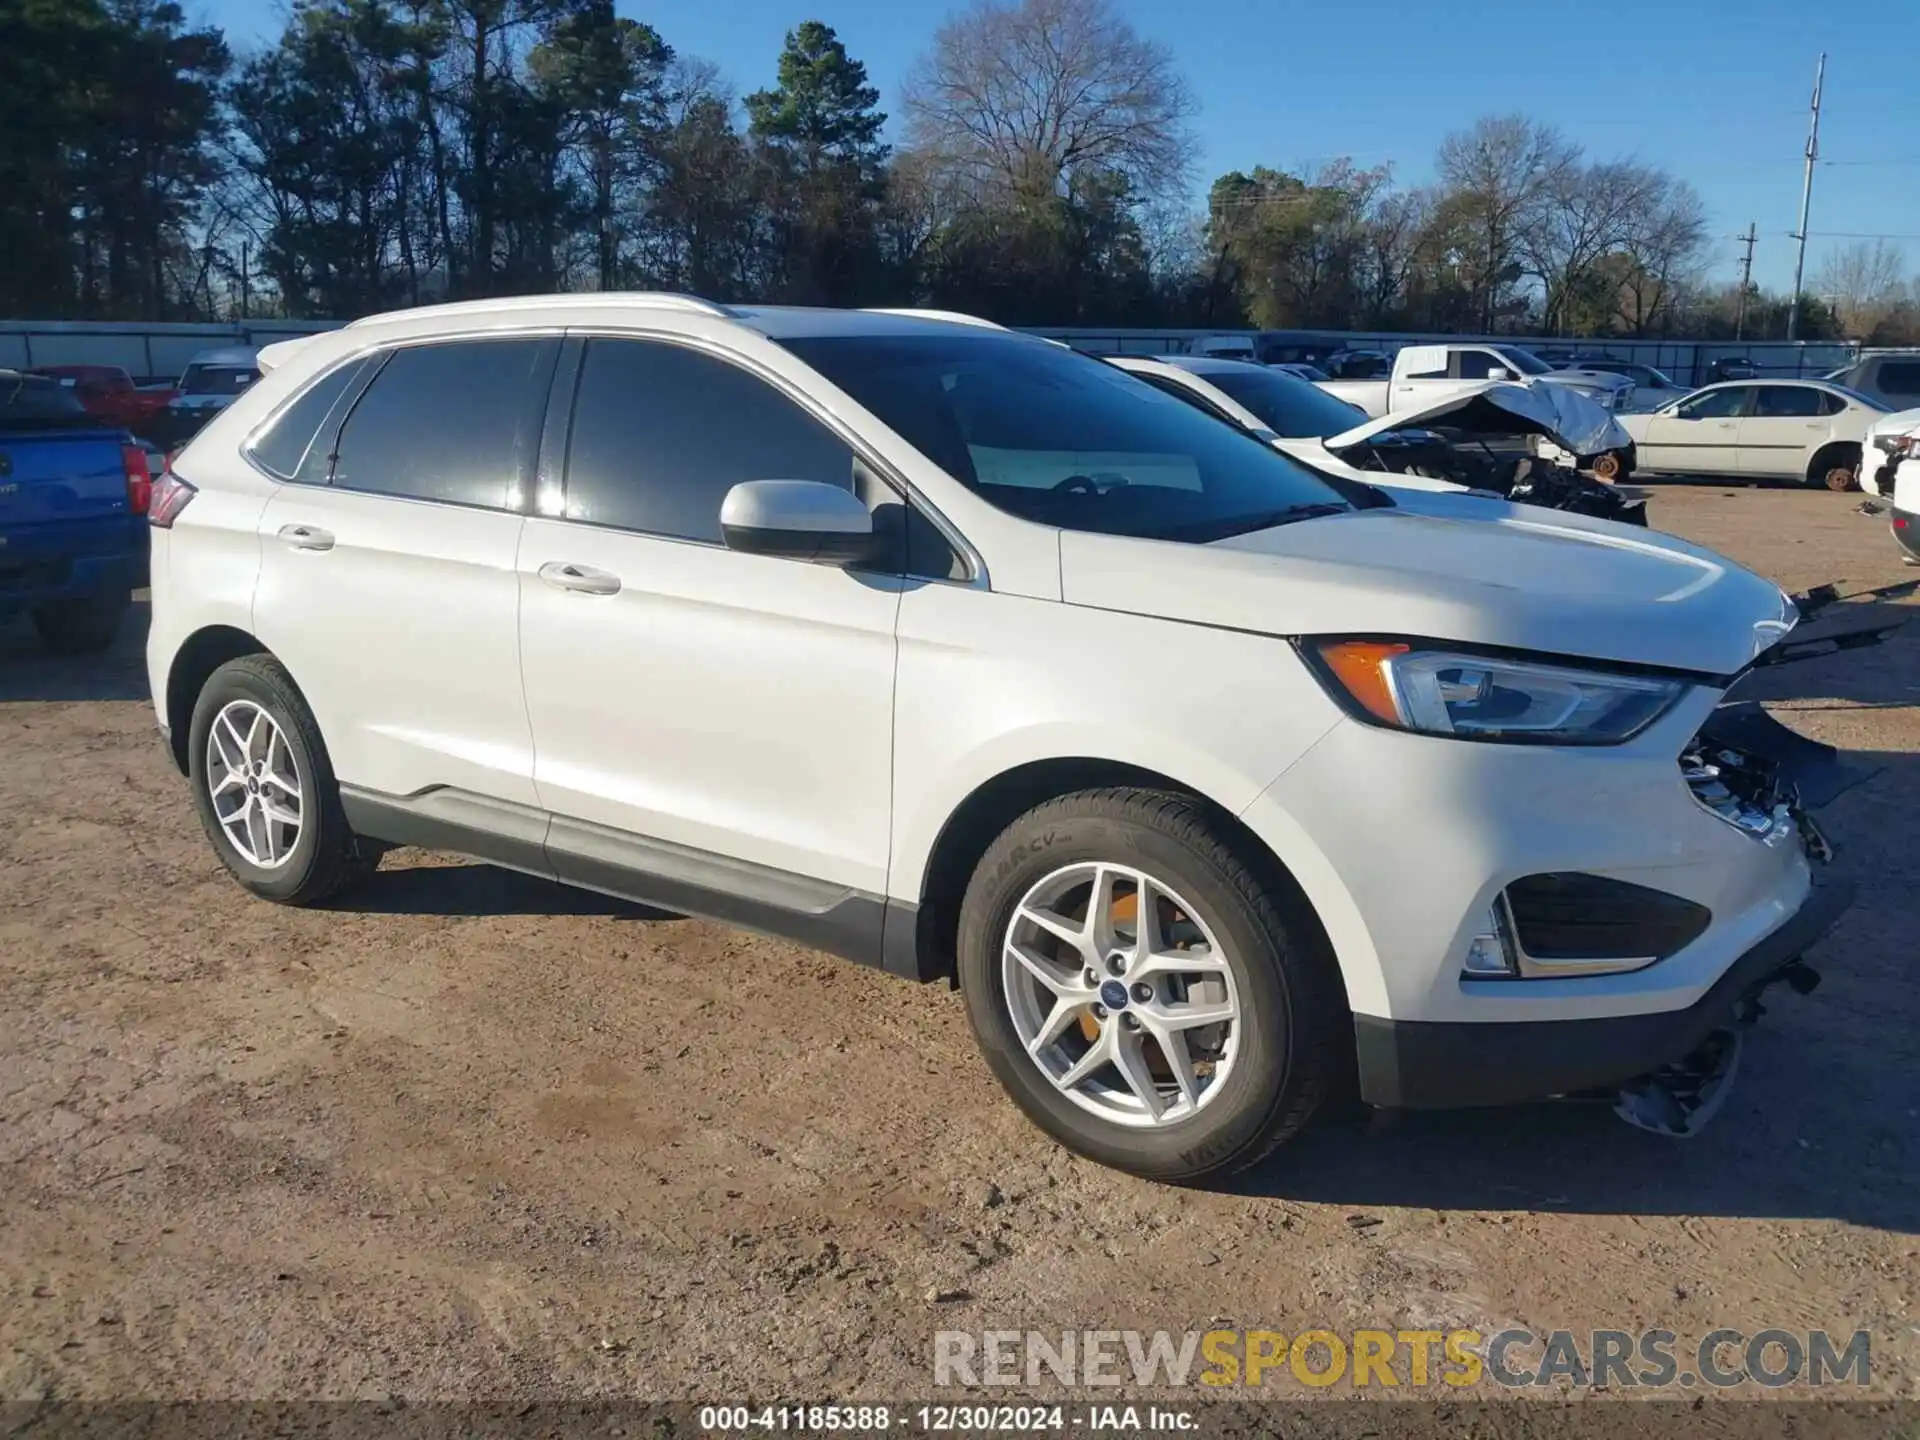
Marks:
<point>1433,690</point>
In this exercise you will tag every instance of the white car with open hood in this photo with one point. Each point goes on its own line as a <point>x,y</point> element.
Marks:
<point>1421,372</point>
<point>1811,431</point>
<point>1399,452</point>
<point>952,651</point>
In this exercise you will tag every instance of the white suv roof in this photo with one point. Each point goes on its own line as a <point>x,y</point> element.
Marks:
<point>773,321</point>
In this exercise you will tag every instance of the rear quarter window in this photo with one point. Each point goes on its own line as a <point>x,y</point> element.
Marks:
<point>284,449</point>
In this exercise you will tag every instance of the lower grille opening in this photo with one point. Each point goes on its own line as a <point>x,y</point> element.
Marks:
<point>1565,916</point>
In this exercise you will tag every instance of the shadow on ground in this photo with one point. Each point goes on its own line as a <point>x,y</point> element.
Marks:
<point>28,672</point>
<point>477,889</point>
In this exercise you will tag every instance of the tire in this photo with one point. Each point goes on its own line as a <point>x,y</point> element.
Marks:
<point>1837,468</point>
<point>81,627</point>
<point>1291,1030</point>
<point>321,857</point>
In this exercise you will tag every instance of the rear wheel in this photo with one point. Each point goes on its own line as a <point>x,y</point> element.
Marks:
<point>1144,996</point>
<point>264,787</point>
<point>81,627</point>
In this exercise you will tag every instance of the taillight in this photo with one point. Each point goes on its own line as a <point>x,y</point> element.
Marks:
<point>170,497</point>
<point>133,459</point>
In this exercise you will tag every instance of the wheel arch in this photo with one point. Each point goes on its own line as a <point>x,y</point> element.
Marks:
<point>202,653</point>
<point>1830,452</point>
<point>998,801</point>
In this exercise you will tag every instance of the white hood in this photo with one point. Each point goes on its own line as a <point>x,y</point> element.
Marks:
<point>1598,590</point>
<point>1564,417</point>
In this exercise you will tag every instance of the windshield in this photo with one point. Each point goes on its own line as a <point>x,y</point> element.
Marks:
<point>1287,405</point>
<point>1058,438</point>
<point>216,379</point>
<point>1525,361</point>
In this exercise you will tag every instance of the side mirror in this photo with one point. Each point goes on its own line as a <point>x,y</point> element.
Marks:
<point>798,520</point>
<point>1499,373</point>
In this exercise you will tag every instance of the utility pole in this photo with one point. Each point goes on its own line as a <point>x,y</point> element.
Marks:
<point>1746,281</point>
<point>1806,199</point>
<point>245,297</point>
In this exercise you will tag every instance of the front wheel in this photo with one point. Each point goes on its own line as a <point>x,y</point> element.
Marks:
<point>1613,466</point>
<point>1145,996</point>
<point>264,787</point>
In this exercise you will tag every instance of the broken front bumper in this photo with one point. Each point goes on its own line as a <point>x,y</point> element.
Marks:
<point>1440,1066</point>
<point>1751,772</point>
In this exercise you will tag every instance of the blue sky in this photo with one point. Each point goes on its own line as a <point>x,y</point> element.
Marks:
<point>1714,90</point>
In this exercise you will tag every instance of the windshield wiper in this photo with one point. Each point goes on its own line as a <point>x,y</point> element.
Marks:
<point>1210,530</point>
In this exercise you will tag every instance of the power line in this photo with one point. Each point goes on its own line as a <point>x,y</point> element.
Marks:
<point>1851,235</point>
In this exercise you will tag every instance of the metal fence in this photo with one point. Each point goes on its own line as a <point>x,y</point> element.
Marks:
<point>144,350</point>
<point>164,350</point>
<point>1687,361</point>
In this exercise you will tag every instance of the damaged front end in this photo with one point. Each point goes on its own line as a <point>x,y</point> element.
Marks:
<point>1491,440</point>
<point>1765,780</point>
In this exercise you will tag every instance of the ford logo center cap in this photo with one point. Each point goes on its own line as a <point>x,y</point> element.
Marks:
<point>1113,995</point>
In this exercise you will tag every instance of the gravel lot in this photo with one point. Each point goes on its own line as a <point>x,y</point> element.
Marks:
<point>474,1135</point>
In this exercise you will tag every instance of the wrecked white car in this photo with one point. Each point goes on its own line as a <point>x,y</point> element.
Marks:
<point>1500,441</point>
<point>1890,441</point>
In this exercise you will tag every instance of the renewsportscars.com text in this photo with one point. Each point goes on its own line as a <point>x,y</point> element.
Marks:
<point>1379,1359</point>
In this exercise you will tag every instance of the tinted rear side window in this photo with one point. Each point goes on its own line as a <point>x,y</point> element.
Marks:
<point>32,400</point>
<point>1900,377</point>
<point>448,422</point>
<point>662,432</point>
<point>282,451</point>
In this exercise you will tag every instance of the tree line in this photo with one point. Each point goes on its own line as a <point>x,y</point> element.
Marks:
<point>395,152</point>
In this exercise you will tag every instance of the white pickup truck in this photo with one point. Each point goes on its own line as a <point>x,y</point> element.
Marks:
<point>1425,373</point>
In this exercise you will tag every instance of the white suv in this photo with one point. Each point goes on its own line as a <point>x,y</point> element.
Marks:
<point>960,654</point>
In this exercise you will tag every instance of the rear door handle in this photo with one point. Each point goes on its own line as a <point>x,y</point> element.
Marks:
<point>580,579</point>
<point>306,537</point>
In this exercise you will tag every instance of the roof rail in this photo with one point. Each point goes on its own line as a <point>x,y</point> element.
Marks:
<point>952,316</point>
<point>578,299</point>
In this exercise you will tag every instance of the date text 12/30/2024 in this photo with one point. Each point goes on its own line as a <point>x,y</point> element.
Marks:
<point>941,1419</point>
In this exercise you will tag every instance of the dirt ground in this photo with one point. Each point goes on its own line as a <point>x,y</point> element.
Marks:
<point>473,1135</point>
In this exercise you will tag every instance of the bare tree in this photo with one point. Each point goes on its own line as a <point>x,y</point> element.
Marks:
<point>1589,212</point>
<point>1036,96</point>
<point>1500,175</point>
<point>1863,282</point>
<point>1662,257</point>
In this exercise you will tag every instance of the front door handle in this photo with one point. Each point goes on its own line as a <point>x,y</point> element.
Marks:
<point>306,537</point>
<point>580,579</point>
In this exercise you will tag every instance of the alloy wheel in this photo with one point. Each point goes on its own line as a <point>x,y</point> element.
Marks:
<point>254,783</point>
<point>1120,994</point>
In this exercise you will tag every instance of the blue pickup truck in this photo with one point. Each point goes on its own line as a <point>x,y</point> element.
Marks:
<point>73,515</point>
